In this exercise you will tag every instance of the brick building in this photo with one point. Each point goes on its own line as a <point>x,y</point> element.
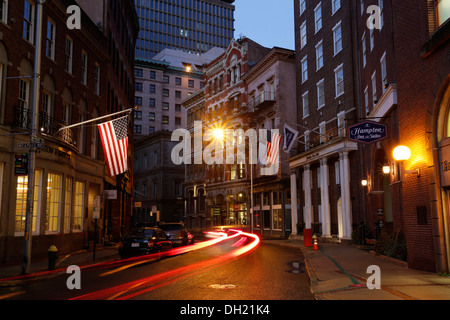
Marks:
<point>326,169</point>
<point>405,82</point>
<point>247,87</point>
<point>70,168</point>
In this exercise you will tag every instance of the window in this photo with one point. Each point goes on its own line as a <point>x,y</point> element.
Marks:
<point>166,79</point>
<point>303,35</point>
<point>178,121</point>
<point>165,106</point>
<point>4,11</point>
<point>178,107</point>
<point>178,94</point>
<point>374,88</point>
<point>24,96</point>
<point>152,88</point>
<point>302,6</point>
<point>304,69</point>
<point>78,207</point>
<point>166,92</point>
<point>318,17</point>
<point>372,39</point>
<point>364,49</point>
<point>320,94</point>
<point>152,102</point>
<point>138,101</point>
<point>336,4</point>
<point>341,123</point>
<point>138,129</point>
<point>84,65</point>
<point>178,81</point>
<point>381,6</point>
<point>339,80</point>
<point>152,75</point>
<point>68,204</point>
<point>305,103</point>
<point>362,7</point>
<point>191,83</point>
<point>322,130</point>
<point>307,140</point>
<point>137,115</point>
<point>69,55</point>
<point>277,219</point>
<point>384,81</point>
<point>337,38</point>
<point>50,41</point>
<point>442,11</point>
<point>54,193</point>
<point>165,119</point>
<point>151,130</point>
<point>319,55</point>
<point>139,73</point>
<point>21,203</point>
<point>28,21</point>
<point>138,86</point>
<point>97,79</point>
<point>366,99</point>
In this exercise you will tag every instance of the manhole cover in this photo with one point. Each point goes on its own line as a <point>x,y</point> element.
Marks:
<point>222,286</point>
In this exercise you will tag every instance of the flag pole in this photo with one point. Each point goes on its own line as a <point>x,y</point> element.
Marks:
<point>96,119</point>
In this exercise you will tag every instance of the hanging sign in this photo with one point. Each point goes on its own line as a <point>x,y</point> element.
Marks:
<point>21,164</point>
<point>367,132</point>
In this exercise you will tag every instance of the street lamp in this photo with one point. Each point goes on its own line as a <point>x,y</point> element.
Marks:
<point>403,153</point>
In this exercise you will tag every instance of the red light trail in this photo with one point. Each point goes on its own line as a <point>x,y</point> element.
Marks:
<point>141,286</point>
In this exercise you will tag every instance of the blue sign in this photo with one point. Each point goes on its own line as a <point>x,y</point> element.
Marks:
<point>367,132</point>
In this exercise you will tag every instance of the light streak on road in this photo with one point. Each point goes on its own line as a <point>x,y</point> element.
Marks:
<point>122,292</point>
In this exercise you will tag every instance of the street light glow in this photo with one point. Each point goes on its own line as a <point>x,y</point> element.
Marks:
<point>402,153</point>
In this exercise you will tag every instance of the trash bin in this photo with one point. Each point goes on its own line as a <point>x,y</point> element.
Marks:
<point>52,257</point>
<point>307,237</point>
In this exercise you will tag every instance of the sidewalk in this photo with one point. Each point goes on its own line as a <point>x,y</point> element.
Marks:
<point>10,275</point>
<point>339,272</point>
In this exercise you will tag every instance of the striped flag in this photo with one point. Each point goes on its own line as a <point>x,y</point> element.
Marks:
<point>273,147</point>
<point>114,135</point>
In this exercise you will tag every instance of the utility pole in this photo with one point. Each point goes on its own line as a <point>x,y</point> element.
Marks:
<point>33,138</point>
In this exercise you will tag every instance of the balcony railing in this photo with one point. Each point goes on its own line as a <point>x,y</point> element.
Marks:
<point>261,100</point>
<point>333,134</point>
<point>46,125</point>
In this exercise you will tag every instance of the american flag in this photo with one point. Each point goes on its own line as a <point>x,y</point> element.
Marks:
<point>114,135</point>
<point>273,147</point>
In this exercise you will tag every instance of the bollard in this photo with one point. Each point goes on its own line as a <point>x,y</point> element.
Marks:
<point>52,257</point>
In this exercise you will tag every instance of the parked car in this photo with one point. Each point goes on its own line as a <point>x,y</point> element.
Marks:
<point>144,241</point>
<point>178,233</point>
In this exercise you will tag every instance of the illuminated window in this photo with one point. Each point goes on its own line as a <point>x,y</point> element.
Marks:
<point>78,207</point>
<point>68,204</point>
<point>442,11</point>
<point>53,202</point>
<point>21,203</point>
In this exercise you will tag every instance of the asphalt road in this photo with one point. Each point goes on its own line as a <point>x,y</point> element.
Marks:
<point>230,270</point>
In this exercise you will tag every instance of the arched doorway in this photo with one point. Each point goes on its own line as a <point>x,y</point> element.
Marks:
<point>441,158</point>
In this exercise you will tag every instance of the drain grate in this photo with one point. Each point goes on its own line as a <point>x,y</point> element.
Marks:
<point>222,286</point>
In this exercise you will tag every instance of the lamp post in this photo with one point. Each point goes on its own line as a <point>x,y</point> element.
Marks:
<point>34,123</point>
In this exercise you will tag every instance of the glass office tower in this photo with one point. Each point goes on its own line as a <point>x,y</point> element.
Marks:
<point>193,26</point>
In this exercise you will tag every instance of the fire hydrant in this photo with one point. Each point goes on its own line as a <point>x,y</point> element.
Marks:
<point>52,257</point>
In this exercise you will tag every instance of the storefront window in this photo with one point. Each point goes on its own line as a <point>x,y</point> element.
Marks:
<point>21,202</point>
<point>78,206</point>
<point>53,202</point>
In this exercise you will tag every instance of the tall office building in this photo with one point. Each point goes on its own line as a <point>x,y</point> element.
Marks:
<point>193,26</point>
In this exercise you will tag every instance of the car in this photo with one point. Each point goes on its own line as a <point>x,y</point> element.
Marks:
<point>144,241</point>
<point>178,233</point>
